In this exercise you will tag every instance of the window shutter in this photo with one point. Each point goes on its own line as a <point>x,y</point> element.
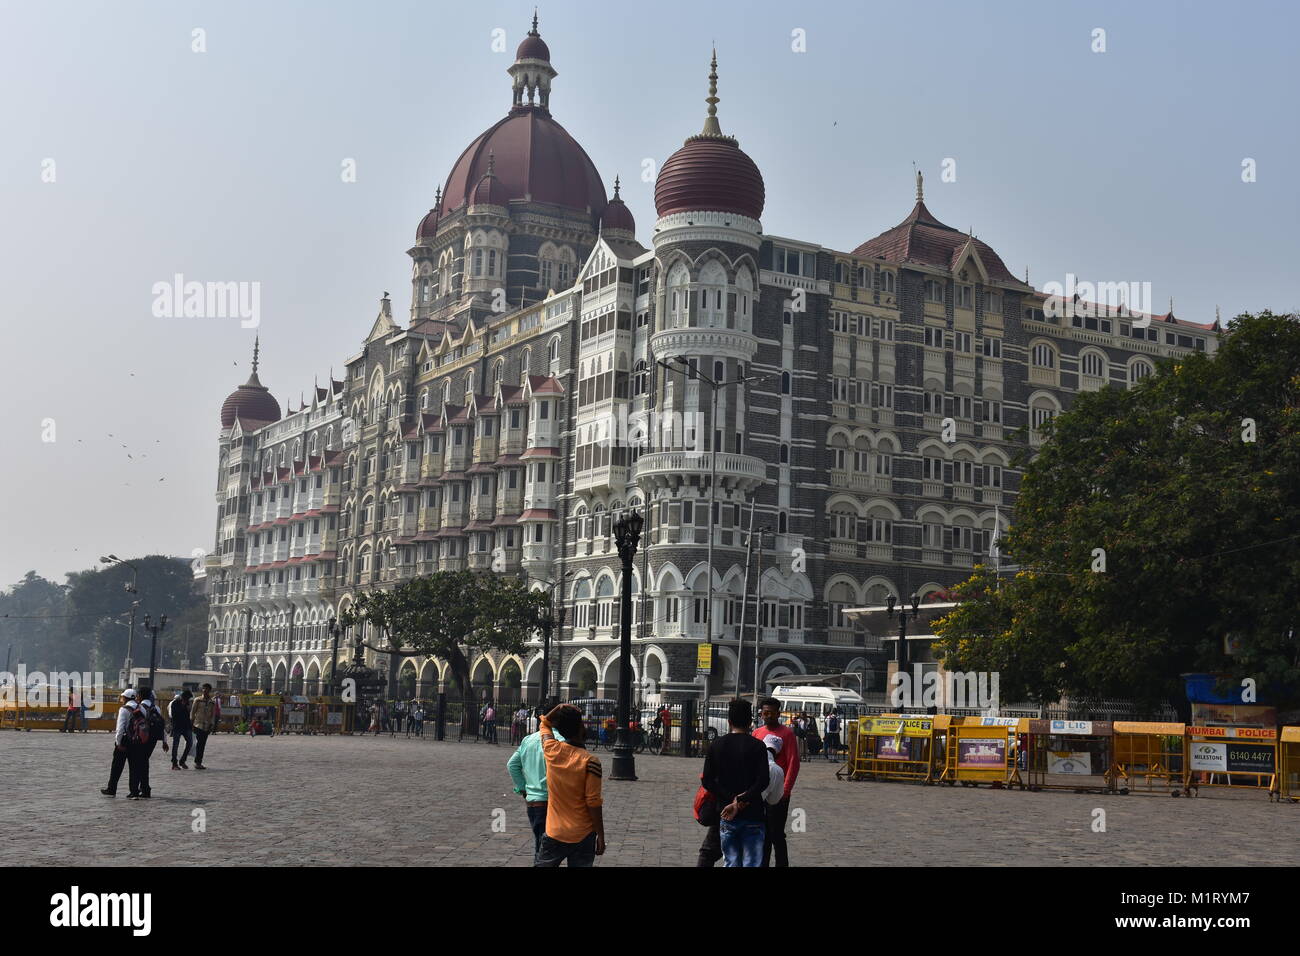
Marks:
<point>947,539</point>
<point>947,473</point>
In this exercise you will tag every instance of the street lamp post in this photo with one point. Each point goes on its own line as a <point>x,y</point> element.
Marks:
<point>153,630</point>
<point>627,535</point>
<point>901,655</point>
<point>334,655</point>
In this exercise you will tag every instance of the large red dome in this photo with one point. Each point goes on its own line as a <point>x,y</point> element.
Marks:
<point>535,159</point>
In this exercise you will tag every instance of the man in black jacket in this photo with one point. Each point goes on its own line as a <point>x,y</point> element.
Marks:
<point>736,774</point>
<point>182,729</point>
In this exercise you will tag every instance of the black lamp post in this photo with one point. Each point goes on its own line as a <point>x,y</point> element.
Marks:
<point>901,655</point>
<point>627,535</point>
<point>153,630</point>
<point>334,655</point>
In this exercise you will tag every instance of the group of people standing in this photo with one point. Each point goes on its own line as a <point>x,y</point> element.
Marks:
<point>560,781</point>
<point>142,725</point>
<point>382,718</point>
<point>744,795</point>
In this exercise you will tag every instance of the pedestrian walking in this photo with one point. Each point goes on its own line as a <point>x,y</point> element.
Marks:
<point>157,731</point>
<point>736,776</point>
<point>788,760</point>
<point>665,721</point>
<point>203,719</point>
<point>419,720</point>
<point>833,735</point>
<point>182,729</point>
<point>490,723</point>
<point>374,718</point>
<point>125,711</point>
<point>70,718</point>
<point>527,768</point>
<point>575,821</point>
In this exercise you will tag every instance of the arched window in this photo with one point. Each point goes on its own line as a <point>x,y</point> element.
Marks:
<point>782,523</point>
<point>785,453</point>
<point>1138,370</point>
<point>553,349</point>
<point>886,281</point>
<point>1043,356</point>
<point>1093,364</point>
<point>785,383</point>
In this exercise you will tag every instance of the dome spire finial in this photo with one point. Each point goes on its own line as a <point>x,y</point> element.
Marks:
<point>711,127</point>
<point>533,32</point>
<point>920,187</point>
<point>257,347</point>
<point>616,186</point>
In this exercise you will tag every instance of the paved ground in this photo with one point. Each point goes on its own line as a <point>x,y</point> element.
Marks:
<point>338,800</point>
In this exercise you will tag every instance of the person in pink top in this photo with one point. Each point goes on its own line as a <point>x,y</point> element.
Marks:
<point>788,761</point>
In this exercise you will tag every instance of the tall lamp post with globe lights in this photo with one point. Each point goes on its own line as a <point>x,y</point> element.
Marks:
<point>627,535</point>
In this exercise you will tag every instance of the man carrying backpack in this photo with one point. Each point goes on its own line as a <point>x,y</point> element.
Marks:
<point>156,731</point>
<point>833,735</point>
<point>126,711</point>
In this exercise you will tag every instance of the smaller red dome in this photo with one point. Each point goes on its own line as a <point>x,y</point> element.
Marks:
<point>252,402</point>
<point>617,215</point>
<point>533,48</point>
<point>428,226</point>
<point>489,191</point>
<point>710,174</point>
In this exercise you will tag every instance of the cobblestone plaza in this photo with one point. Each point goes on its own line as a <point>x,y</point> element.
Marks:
<point>337,801</point>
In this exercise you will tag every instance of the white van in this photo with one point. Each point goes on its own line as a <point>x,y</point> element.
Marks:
<point>817,702</point>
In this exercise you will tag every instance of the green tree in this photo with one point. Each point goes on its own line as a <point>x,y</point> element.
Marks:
<point>100,607</point>
<point>34,622</point>
<point>450,615</point>
<point>1155,522</point>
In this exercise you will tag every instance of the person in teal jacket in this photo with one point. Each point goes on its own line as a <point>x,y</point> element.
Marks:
<point>527,767</point>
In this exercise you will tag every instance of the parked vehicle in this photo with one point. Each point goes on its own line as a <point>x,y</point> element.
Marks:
<point>817,702</point>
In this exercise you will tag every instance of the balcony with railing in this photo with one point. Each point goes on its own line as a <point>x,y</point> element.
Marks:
<point>671,468</point>
<point>538,552</point>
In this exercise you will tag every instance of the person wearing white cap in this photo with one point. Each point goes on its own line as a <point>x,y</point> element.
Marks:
<point>124,711</point>
<point>776,776</point>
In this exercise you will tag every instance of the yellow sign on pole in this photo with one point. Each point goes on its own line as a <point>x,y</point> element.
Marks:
<point>704,658</point>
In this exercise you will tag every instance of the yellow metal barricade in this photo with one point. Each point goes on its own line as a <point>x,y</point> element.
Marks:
<point>1288,765</point>
<point>894,747</point>
<point>1071,755</point>
<point>1238,758</point>
<point>1149,757</point>
<point>984,750</point>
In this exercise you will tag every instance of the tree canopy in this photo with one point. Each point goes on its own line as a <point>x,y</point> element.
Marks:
<point>1154,523</point>
<point>450,614</point>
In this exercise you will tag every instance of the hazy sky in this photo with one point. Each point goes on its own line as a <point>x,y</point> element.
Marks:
<point>225,166</point>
